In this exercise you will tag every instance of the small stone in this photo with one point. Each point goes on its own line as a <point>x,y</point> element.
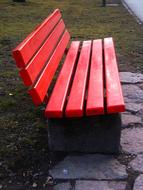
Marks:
<point>100,185</point>
<point>128,119</point>
<point>1,186</point>
<point>138,185</point>
<point>34,185</point>
<point>65,172</point>
<point>11,174</point>
<point>131,78</point>
<point>27,182</point>
<point>141,113</point>
<point>133,93</point>
<point>137,163</point>
<point>133,107</point>
<point>62,186</point>
<point>141,85</point>
<point>49,181</point>
<point>132,140</point>
<point>127,100</point>
<point>90,166</point>
<point>35,176</point>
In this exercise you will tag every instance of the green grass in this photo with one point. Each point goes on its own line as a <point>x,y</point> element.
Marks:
<point>84,21</point>
<point>22,126</point>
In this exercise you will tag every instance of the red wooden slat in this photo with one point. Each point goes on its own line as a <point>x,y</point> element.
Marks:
<point>39,90</point>
<point>95,98</point>
<point>56,103</point>
<point>30,72</point>
<point>115,101</point>
<point>25,50</point>
<point>76,98</point>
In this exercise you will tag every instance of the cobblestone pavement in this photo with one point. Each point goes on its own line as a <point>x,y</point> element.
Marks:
<point>107,172</point>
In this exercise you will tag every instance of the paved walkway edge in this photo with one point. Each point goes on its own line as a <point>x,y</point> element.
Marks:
<point>131,12</point>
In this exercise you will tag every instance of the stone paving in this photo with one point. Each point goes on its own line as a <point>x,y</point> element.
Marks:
<point>89,166</point>
<point>138,183</point>
<point>107,172</point>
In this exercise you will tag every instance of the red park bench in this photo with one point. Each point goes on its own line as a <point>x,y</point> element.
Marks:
<point>83,107</point>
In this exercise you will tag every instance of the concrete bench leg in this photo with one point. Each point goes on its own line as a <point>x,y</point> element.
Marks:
<point>100,134</point>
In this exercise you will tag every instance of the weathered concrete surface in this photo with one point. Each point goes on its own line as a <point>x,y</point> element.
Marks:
<point>138,185</point>
<point>129,119</point>
<point>62,186</point>
<point>137,163</point>
<point>134,107</point>
<point>99,185</point>
<point>132,93</point>
<point>131,78</point>
<point>132,140</point>
<point>89,167</point>
<point>99,134</point>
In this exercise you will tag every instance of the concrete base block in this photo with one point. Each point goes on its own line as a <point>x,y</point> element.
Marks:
<point>99,134</point>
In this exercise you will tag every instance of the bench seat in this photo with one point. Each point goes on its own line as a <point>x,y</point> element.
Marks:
<point>80,88</point>
<point>87,75</point>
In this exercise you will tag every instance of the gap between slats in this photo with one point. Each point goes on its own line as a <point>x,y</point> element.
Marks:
<point>77,94</point>
<point>39,89</point>
<point>56,104</point>
<point>37,64</point>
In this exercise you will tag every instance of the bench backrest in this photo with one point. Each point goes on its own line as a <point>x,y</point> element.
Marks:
<point>39,55</point>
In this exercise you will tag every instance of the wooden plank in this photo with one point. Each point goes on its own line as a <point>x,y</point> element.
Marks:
<point>115,101</point>
<point>56,103</point>
<point>39,90</point>
<point>76,98</point>
<point>95,97</point>
<point>26,49</point>
<point>31,71</point>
